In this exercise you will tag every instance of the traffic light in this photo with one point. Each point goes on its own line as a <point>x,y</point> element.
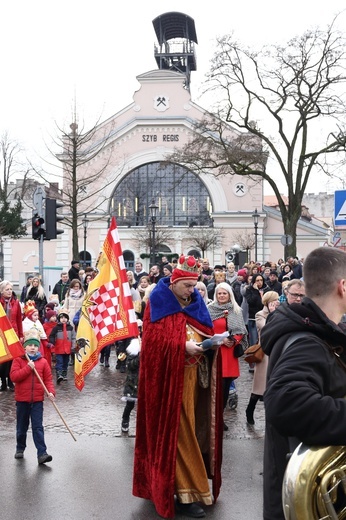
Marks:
<point>37,227</point>
<point>52,219</point>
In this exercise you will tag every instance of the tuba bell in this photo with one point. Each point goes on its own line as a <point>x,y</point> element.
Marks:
<point>314,485</point>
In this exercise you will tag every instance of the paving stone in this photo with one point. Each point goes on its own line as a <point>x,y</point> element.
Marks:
<point>97,409</point>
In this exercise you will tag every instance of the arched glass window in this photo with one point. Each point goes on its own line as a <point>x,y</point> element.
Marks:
<point>181,197</point>
<point>129,260</point>
<point>85,258</point>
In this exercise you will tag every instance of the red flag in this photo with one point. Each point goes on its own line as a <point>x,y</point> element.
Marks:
<point>10,346</point>
<point>107,312</point>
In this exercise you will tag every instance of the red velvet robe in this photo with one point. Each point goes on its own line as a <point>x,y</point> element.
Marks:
<point>159,402</point>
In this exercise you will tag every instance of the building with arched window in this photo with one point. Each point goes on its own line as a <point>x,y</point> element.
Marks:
<point>138,173</point>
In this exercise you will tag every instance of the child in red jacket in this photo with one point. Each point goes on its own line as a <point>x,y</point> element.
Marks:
<point>63,337</point>
<point>29,395</point>
<point>48,326</point>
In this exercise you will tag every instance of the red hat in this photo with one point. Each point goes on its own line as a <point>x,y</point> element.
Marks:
<point>50,314</point>
<point>187,269</point>
<point>242,272</point>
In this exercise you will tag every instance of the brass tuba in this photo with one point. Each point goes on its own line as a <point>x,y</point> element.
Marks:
<point>314,486</point>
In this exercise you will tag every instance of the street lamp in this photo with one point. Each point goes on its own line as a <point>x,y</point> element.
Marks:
<point>255,217</point>
<point>85,222</point>
<point>153,215</point>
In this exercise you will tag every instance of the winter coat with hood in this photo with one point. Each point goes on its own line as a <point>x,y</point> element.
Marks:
<point>27,386</point>
<point>63,337</point>
<point>305,391</point>
<point>254,297</point>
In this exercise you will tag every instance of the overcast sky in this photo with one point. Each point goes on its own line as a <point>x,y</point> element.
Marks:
<point>55,52</point>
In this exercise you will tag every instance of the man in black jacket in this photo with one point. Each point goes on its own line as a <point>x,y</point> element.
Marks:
<point>73,273</point>
<point>273,284</point>
<point>306,385</point>
<point>60,288</point>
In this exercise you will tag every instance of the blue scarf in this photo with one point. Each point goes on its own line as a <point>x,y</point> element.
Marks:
<point>35,357</point>
<point>163,303</point>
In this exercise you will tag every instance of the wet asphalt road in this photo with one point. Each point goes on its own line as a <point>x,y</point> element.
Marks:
<point>91,478</point>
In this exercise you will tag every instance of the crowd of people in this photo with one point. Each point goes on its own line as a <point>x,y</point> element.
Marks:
<point>181,380</point>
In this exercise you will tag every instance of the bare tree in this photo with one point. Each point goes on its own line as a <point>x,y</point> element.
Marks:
<point>297,92</point>
<point>81,184</point>
<point>144,237</point>
<point>11,222</point>
<point>205,238</point>
<point>245,240</point>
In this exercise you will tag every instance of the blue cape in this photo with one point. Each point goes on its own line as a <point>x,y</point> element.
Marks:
<point>163,303</point>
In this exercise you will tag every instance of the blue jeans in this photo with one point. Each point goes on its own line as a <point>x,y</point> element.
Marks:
<point>253,334</point>
<point>33,411</point>
<point>61,364</point>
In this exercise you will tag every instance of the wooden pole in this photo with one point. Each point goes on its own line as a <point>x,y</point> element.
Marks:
<point>53,402</point>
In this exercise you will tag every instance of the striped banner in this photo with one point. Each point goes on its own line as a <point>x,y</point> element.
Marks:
<point>10,346</point>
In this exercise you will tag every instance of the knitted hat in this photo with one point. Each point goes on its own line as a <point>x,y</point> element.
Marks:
<point>50,314</point>
<point>31,341</point>
<point>29,308</point>
<point>74,262</point>
<point>63,312</point>
<point>31,337</point>
<point>51,306</point>
<point>242,272</point>
<point>187,269</point>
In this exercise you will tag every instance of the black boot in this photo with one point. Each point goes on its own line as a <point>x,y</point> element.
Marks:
<point>59,377</point>
<point>251,408</point>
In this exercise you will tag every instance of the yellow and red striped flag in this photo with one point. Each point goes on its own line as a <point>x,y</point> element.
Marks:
<point>10,346</point>
<point>107,313</point>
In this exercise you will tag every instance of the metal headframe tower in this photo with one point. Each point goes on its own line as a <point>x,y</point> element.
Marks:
<point>176,36</point>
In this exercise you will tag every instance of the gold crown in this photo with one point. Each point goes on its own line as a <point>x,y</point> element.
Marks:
<point>188,263</point>
<point>29,307</point>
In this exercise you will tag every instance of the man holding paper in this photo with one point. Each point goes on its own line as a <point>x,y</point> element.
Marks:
<point>179,421</point>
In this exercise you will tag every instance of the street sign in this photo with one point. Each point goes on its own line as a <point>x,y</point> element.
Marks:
<point>337,239</point>
<point>286,240</point>
<point>340,208</point>
<point>38,197</point>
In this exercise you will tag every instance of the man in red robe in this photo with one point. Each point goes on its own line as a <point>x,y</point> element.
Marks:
<point>179,421</point>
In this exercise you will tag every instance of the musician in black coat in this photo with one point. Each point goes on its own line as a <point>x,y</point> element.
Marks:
<point>304,400</point>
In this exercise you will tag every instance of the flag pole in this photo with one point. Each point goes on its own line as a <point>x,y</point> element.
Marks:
<point>53,402</point>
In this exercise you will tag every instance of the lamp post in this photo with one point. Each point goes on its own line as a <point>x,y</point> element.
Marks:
<point>85,222</point>
<point>153,216</point>
<point>255,217</point>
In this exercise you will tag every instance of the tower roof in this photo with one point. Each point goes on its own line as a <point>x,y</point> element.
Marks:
<point>174,25</point>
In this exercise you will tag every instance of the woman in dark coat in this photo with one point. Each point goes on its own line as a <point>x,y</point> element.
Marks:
<point>253,296</point>
<point>36,293</point>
